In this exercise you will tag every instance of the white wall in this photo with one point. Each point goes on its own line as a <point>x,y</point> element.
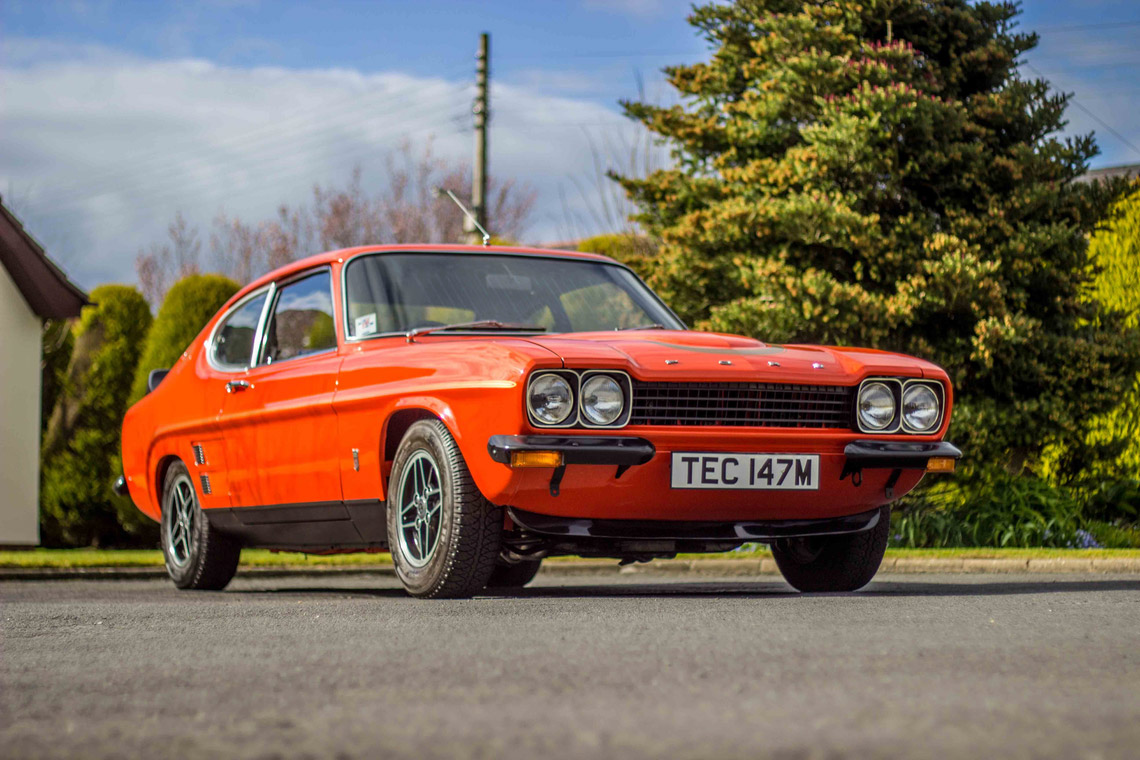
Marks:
<point>19,417</point>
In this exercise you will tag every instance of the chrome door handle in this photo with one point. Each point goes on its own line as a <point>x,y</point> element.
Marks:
<point>233,386</point>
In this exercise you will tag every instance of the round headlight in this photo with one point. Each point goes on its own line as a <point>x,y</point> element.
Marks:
<point>920,408</point>
<point>550,399</point>
<point>876,406</point>
<point>602,400</point>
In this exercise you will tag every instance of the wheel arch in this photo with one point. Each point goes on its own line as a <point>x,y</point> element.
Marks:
<point>161,470</point>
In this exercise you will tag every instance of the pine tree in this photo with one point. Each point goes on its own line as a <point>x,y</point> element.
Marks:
<point>880,174</point>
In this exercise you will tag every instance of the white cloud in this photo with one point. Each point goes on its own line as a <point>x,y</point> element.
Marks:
<point>102,148</point>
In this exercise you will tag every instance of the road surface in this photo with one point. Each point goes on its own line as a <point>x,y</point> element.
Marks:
<point>919,666</point>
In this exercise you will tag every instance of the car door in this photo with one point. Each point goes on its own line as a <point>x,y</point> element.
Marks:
<point>278,421</point>
<point>228,357</point>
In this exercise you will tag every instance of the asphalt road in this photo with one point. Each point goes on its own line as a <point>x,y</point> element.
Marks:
<point>920,666</point>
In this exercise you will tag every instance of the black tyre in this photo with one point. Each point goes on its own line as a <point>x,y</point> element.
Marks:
<point>514,576</point>
<point>197,555</point>
<point>443,534</point>
<point>834,563</point>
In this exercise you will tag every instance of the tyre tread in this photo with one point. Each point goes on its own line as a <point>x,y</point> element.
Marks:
<point>846,563</point>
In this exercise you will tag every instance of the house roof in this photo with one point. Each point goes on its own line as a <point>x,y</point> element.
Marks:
<point>1126,170</point>
<point>44,286</point>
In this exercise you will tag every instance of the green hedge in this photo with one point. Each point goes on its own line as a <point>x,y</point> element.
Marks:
<point>185,311</point>
<point>81,444</point>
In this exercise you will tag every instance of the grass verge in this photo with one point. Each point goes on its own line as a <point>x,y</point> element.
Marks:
<point>69,558</point>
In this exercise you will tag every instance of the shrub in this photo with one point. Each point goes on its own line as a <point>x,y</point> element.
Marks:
<point>187,308</point>
<point>635,251</point>
<point>82,438</point>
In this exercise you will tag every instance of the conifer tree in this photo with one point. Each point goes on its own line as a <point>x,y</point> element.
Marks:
<point>879,173</point>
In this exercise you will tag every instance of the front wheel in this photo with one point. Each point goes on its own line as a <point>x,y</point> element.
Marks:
<point>197,555</point>
<point>834,563</point>
<point>444,536</point>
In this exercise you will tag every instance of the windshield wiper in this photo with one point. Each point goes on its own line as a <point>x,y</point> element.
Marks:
<point>485,324</point>
<point>654,326</point>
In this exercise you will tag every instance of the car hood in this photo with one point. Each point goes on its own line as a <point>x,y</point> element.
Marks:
<point>687,356</point>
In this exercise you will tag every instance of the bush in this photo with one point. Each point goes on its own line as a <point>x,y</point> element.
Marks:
<point>1111,445</point>
<point>82,440</point>
<point>997,509</point>
<point>58,341</point>
<point>187,308</point>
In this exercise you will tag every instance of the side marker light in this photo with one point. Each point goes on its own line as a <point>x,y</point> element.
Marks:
<point>536,459</point>
<point>940,464</point>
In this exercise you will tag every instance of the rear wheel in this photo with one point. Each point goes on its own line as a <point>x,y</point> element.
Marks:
<point>834,563</point>
<point>197,555</point>
<point>514,576</point>
<point>444,536</point>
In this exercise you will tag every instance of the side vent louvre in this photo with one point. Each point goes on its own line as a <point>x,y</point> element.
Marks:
<point>205,483</point>
<point>199,454</point>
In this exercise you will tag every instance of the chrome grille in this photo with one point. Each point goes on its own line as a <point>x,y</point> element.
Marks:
<point>205,479</point>
<point>743,404</point>
<point>199,454</point>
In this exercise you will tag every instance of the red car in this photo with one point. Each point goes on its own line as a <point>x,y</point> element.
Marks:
<point>474,410</point>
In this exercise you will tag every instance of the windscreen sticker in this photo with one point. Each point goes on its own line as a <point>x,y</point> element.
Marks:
<point>366,325</point>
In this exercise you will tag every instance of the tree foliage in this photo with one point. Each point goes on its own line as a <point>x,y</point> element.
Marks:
<point>1115,252</point>
<point>879,174</point>
<point>635,251</point>
<point>82,439</point>
<point>187,308</point>
<point>57,342</point>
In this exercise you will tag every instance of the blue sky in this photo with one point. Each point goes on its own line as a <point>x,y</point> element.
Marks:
<point>116,114</point>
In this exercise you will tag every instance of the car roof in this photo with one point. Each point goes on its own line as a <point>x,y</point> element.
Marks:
<point>346,253</point>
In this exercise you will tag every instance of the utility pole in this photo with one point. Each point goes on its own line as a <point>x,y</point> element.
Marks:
<point>481,110</point>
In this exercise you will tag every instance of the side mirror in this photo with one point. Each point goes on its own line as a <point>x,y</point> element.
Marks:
<point>154,378</point>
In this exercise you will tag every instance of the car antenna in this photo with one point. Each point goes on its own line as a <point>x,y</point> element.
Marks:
<point>438,191</point>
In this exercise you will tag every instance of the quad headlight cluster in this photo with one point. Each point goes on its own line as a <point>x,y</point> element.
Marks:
<point>566,398</point>
<point>891,405</point>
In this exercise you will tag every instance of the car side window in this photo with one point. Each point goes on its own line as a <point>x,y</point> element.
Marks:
<point>302,321</point>
<point>233,340</point>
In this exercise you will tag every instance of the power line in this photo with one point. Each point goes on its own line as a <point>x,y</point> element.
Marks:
<point>1086,27</point>
<point>162,152</point>
<point>160,200</point>
<point>167,159</point>
<point>290,142</point>
<point>1092,115</point>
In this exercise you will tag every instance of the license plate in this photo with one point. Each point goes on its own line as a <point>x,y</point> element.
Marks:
<point>763,472</point>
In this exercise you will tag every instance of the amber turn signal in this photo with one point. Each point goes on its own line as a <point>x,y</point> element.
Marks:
<point>536,459</point>
<point>940,464</point>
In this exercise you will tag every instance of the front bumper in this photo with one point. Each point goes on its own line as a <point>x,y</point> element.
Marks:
<point>626,451</point>
<point>855,475</point>
<point>622,451</point>
<point>901,455</point>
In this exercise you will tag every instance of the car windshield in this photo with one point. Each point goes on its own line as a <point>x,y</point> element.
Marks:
<point>398,292</point>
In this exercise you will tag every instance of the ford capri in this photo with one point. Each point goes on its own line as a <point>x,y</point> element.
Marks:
<point>475,410</point>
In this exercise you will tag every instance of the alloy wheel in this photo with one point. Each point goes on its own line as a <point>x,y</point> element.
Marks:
<point>420,501</point>
<point>180,526</point>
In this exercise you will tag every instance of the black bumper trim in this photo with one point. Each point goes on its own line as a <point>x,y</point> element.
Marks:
<point>120,486</point>
<point>622,451</point>
<point>900,455</point>
<point>752,530</point>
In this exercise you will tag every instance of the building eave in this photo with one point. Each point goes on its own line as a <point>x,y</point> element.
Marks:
<point>45,287</point>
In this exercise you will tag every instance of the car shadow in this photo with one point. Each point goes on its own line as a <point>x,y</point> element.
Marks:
<point>739,589</point>
<point>777,588</point>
